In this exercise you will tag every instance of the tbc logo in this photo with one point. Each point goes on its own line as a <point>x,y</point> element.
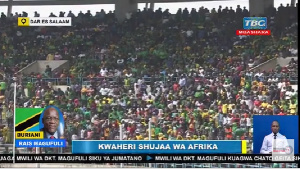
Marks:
<point>289,150</point>
<point>255,23</point>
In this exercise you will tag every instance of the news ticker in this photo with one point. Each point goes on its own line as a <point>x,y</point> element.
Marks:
<point>131,158</point>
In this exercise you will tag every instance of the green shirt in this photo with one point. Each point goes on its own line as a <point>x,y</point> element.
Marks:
<point>157,131</point>
<point>127,82</point>
<point>112,115</point>
<point>228,80</point>
<point>47,96</point>
<point>83,96</point>
<point>239,132</point>
<point>143,54</point>
<point>87,114</point>
<point>3,85</point>
<point>99,107</point>
<point>69,106</point>
<point>119,114</point>
<point>197,94</point>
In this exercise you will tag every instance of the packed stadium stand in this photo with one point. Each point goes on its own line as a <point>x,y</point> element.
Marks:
<point>188,73</point>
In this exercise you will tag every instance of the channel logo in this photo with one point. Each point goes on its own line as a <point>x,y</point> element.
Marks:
<point>255,23</point>
<point>254,26</point>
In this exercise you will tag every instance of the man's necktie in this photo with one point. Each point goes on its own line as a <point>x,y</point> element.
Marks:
<point>52,137</point>
<point>274,146</point>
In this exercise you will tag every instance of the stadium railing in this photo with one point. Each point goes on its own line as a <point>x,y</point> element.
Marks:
<point>148,80</point>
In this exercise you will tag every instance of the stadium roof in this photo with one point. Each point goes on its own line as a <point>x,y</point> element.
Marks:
<point>83,2</point>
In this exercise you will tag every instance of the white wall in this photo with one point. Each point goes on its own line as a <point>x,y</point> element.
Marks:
<point>271,64</point>
<point>40,66</point>
<point>295,87</point>
<point>62,87</point>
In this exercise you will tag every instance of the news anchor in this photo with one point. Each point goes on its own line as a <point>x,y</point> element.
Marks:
<point>269,140</point>
<point>51,121</point>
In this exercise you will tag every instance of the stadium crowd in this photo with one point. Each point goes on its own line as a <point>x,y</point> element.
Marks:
<point>188,73</point>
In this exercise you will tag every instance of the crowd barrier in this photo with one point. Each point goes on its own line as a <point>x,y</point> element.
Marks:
<point>148,80</point>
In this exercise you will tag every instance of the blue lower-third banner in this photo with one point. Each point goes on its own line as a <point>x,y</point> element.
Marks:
<point>157,147</point>
<point>41,143</point>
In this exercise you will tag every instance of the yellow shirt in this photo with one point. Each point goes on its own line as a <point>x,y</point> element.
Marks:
<point>264,105</point>
<point>242,81</point>
<point>254,83</point>
<point>260,84</point>
<point>50,57</point>
<point>140,137</point>
<point>204,114</point>
<point>230,106</point>
<point>109,100</point>
<point>152,132</point>
<point>293,108</point>
<point>83,90</point>
<point>106,132</point>
<point>224,108</point>
<point>149,100</point>
<point>269,106</point>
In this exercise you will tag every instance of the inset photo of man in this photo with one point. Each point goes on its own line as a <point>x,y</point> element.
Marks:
<point>52,123</point>
<point>271,134</point>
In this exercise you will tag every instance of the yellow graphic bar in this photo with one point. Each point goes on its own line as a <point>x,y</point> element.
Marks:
<point>29,135</point>
<point>23,21</point>
<point>244,146</point>
<point>48,21</point>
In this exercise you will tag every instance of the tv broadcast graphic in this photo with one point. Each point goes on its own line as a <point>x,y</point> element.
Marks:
<point>52,123</point>
<point>149,84</point>
<point>281,136</point>
<point>254,26</point>
<point>37,21</point>
<point>38,127</point>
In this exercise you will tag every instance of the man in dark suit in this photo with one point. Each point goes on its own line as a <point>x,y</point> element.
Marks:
<point>51,122</point>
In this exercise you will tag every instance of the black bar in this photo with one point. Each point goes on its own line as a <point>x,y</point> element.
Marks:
<point>4,158</point>
<point>138,158</point>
